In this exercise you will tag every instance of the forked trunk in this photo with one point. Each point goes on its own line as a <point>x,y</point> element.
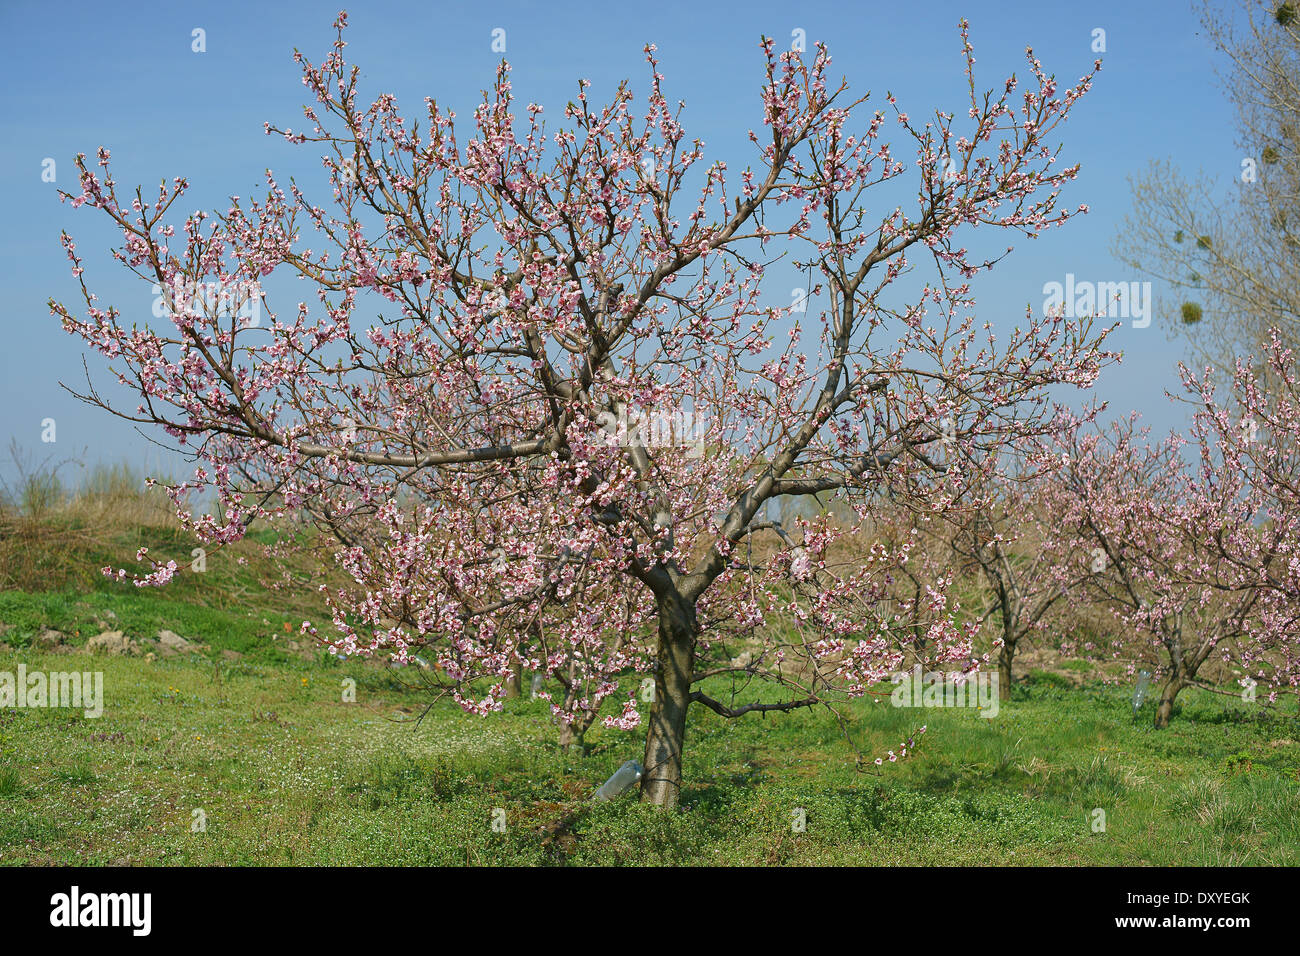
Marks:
<point>1186,662</point>
<point>574,733</point>
<point>1004,671</point>
<point>515,681</point>
<point>666,732</point>
<point>1165,709</point>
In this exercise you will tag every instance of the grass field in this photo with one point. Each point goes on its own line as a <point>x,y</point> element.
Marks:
<point>252,738</point>
<point>285,772</point>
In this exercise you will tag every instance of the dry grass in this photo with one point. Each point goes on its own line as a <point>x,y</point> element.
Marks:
<point>55,536</point>
<point>48,527</point>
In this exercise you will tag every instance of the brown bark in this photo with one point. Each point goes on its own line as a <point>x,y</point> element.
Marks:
<point>1004,671</point>
<point>666,733</point>
<point>576,733</point>
<point>1165,709</point>
<point>515,681</point>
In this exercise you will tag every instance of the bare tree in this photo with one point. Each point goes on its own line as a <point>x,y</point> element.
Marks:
<point>1232,255</point>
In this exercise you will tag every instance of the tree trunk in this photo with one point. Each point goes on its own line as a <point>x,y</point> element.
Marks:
<point>515,681</point>
<point>567,736</point>
<point>1183,669</point>
<point>574,733</point>
<point>1004,671</point>
<point>666,732</point>
<point>1166,707</point>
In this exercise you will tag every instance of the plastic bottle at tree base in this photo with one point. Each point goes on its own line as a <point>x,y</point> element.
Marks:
<point>1139,695</point>
<point>623,778</point>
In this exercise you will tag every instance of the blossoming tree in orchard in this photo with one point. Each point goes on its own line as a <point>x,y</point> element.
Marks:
<point>924,591</point>
<point>1249,449</point>
<point>502,311</point>
<point>1145,524</point>
<point>1024,563</point>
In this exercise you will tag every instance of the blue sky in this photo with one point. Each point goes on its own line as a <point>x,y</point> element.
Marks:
<point>82,75</point>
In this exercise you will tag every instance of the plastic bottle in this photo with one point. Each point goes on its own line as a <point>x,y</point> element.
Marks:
<point>1140,694</point>
<point>623,778</point>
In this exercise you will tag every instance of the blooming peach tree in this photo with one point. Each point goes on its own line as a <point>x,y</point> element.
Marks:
<point>1247,444</point>
<point>1179,555</point>
<point>540,394</point>
<point>1006,535</point>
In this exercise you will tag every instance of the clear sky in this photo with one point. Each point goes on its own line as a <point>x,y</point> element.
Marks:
<point>78,75</point>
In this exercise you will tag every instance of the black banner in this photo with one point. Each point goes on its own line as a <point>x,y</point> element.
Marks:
<point>335,906</point>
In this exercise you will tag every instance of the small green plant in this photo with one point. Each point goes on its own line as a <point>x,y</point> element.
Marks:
<point>1239,762</point>
<point>10,782</point>
<point>76,775</point>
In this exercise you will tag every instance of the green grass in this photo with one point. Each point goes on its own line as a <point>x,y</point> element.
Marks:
<point>262,748</point>
<point>227,607</point>
<point>141,612</point>
<point>284,772</point>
